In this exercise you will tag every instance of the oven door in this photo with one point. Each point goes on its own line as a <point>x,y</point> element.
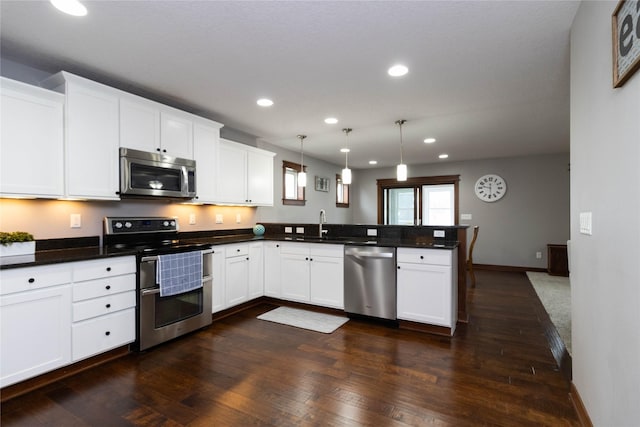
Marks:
<point>163,318</point>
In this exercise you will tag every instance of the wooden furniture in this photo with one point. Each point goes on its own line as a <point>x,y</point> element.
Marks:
<point>557,260</point>
<point>470,258</point>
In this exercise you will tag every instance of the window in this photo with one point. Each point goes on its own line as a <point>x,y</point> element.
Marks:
<point>291,193</point>
<point>427,201</point>
<point>342,193</point>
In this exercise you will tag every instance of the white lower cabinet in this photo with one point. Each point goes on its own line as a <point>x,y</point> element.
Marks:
<point>36,332</point>
<point>236,274</point>
<point>256,270</point>
<point>312,273</point>
<point>57,314</point>
<point>218,283</point>
<point>426,288</point>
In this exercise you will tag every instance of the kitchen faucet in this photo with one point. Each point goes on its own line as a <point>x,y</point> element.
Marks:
<point>323,219</point>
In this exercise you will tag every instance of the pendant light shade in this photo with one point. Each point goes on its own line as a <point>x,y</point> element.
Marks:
<point>401,170</point>
<point>346,172</point>
<point>302,175</point>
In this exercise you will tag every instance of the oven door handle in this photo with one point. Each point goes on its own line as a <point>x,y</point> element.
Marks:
<point>146,292</point>
<point>155,257</point>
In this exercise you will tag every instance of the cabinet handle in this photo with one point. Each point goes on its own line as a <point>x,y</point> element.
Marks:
<point>247,258</point>
<point>107,287</point>
<point>398,267</point>
<point>31,280</point>
<point>237,250</point>
<point>421,257</point>
<point>157,149</point>
<point>107,333</point>
<point>108,306</point>
<point>277,246</point>
<point>164,151</point>
<point>310,259</point>
<point>108,268</point>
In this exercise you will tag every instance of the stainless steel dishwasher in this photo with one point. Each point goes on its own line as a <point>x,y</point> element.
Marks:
<point>370,281</point>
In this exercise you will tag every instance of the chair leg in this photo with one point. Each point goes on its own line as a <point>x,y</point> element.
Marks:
<point>471,274</point>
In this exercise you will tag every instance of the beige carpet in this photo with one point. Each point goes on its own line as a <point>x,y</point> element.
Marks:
<point>555,294</point>
<point>318,322</point>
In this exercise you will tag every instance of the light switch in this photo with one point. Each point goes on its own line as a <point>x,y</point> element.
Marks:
<point>238,218</point>
<point>192,219</point>
<point>466,217</point>
<point>219,219</point>
<point>288,230</point>
<point>75,221</point>
<point>585,223</point>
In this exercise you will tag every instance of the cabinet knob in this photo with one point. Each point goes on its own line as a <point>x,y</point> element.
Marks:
<point>310,259</point>
<point>164,151</point>
<point>157,149</point>
<point>398,267</point>
<point>237,250</point>
<point>107,333</point>
<point>107,287</point>
<point>247,258</point>
<point>31,280</point>
<point>277,246</point>
<point>108,305</point>
<point>108,268</point>
<point>421,257</point>
<point>306,259</point>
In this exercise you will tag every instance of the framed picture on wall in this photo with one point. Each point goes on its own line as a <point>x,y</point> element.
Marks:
<point>322,184</point>
<point>625,23</point>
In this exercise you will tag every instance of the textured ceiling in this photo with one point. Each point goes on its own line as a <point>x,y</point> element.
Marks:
<point>487,79</point>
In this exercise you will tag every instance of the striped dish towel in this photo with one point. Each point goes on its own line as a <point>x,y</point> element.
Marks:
<point>179,273</point>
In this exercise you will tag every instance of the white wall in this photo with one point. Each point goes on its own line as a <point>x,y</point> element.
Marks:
<point>316,200</point>
<point>605,180</point>
<point>533,213</point>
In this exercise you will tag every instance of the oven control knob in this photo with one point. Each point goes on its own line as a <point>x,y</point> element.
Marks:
<point>173,223</point>
<point>166,223</point>
<point>128,224</point>
<point>118,225</point>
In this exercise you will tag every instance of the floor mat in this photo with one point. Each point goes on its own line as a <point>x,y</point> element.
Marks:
<point>319,322</point>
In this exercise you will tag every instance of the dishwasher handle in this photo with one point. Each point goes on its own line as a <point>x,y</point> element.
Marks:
<point>367,254</point>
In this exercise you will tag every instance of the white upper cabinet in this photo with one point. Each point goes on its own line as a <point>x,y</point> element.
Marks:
<point>206,137</point>
<point>139,124</point>
<point>91,136</point>
<point>149,126</point>
<point>244,174</point>
<point>31,141</point>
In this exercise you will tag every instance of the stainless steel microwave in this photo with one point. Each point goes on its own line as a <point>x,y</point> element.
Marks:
<point>144,174</point>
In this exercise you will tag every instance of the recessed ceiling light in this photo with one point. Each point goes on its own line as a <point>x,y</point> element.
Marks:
<point>373,162</point>
<point>345,150</point>
<point>331,120</point>
<point>398,70</point>
<point>70,7</point>
<point>264,102</point>
<point>429,140</point>
<point>443,156</point>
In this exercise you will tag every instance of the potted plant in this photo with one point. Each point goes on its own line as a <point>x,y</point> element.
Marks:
<point>16,243</point>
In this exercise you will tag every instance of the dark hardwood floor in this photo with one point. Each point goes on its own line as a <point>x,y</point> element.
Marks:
<point>497,370</point>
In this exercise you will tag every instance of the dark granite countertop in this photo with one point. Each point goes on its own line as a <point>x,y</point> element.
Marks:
<point>60,255</point>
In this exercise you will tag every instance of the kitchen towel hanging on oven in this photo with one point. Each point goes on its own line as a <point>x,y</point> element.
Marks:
<point>179,273</point>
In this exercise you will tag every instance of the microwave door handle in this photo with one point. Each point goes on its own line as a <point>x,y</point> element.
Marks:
<point>185,180</point>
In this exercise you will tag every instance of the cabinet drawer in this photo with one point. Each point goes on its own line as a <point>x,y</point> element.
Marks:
<point>425,256</point>
<point>324,249</point>
<point>104,305</point>
<point>103,287</point>
<point>237,250</point>
<point>87,270</point>
<point>103,333</point>
<point>294,248</point>
<point>24,279</point>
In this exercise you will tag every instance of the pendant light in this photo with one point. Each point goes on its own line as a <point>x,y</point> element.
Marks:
<point>401,170</point>
<point>302,175</point>
<point>346,172</point>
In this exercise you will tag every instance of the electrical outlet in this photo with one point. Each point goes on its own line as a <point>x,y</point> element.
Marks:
<point>300,230</point>
<point>372,231</point>
<point>219,219</point>
<point>466,217</point>
<point>438,233</point>
<point>538,255</point>
<point>586,223</point>
<point>238,218</point>
<point>288,230</point>
<point>75,221</point>
<point>192,219</point>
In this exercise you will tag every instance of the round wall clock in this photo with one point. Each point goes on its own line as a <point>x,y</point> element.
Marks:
<point>490,188</point>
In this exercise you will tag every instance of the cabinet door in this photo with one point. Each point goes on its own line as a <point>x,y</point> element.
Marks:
<point>256,270</point>
<point>31,141</point>
<point>205,150</point>
<point>139,124</point>
<point>260,178</point>
<point>92,142</point>
<point>295,277</point>
<point>424,293</point>
<point>36,333</point>
<point>327,279</point>
<point>176,135</point>
<point>218,283</point>
<point>237,280</point>
<point>272,269</point>
<point>231,179</point>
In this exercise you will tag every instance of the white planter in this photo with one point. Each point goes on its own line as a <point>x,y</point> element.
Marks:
<point>19,248</point>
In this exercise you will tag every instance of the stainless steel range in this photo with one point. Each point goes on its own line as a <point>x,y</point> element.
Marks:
<point>174,277</point>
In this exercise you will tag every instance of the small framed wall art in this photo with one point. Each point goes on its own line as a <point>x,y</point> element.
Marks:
<point>322,184</point>
<point>625,23</point>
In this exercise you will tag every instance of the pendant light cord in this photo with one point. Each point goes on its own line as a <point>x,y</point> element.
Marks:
<point>346,158</point>
<point>302,137</point>
<point>400,123</point>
